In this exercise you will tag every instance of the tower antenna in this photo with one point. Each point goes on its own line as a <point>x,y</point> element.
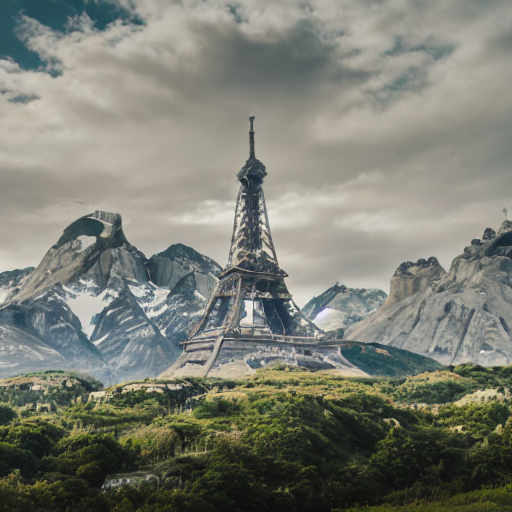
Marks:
<point>251,139</point>
<point>505,212</point>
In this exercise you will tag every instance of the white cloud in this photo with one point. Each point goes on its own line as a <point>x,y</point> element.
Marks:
<point>369,222</point>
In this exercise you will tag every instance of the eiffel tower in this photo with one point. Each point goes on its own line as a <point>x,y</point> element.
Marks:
<point>250,318</point>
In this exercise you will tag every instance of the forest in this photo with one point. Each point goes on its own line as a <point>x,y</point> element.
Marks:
<point>285,439</point>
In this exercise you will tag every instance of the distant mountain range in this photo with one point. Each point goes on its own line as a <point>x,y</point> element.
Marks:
<point>97,304</point>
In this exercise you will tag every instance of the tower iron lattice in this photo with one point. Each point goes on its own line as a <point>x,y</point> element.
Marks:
<point>250,309</point>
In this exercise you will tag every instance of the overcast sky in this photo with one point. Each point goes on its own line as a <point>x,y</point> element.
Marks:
<point>385,126</point>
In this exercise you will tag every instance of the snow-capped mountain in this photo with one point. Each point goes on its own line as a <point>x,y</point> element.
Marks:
<point>95,303</point>
<point>339,307</point>
<point>463,315</point>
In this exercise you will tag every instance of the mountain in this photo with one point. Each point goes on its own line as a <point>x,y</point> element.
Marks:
<point>463,315</point>
<point>97,304</point>
<point>189,276</point>
<point>339,307</point>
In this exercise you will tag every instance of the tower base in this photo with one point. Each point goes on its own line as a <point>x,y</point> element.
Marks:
<point>240,356</point>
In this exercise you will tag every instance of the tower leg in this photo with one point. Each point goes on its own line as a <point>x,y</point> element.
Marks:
<point>213,357</point>
<point>231,323</point>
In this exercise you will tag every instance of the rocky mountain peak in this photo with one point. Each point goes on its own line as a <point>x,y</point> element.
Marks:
<point>491,244</point>
<point>90,304</point>
<point>489,234</point>
<point>505,226</point>
<point>100,227</point>
<point>181,252</point>
<point>408,268</point>
<point>88,247</point>
<point>410,278</point>
<point>339,306</point>
<point>339,288</point>
<point>168,267</point>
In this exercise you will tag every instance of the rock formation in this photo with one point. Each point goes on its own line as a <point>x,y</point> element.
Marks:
<point>339,307</point>
<point>458,316</point>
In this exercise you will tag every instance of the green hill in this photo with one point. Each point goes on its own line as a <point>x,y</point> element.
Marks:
<point>285,439</point>
<point>384,361</point>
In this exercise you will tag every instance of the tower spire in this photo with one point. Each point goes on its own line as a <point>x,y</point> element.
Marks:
<point>251,139</point>
<point>253,168</point>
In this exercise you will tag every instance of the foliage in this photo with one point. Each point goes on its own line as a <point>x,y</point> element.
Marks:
<point>56,387</point>
<point>283,440</point>
<point>7,414</point>
<point>155,443</point>
<point>383,360</point>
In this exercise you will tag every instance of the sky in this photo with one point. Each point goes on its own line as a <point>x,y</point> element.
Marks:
<point>385,126</point>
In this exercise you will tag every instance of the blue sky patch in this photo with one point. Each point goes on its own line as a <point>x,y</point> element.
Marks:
<point>54,14</point>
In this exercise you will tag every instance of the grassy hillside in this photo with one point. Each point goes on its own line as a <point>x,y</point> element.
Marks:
<point>282,440</point>
<point>384,361</point>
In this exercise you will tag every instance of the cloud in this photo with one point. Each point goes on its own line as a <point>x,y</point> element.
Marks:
<point>385,128</point>
<point>369,222</point>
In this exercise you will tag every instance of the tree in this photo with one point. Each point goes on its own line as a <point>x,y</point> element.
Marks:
<point>7,414</point>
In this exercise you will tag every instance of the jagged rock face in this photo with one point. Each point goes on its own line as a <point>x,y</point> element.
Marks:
<point>189,276</point>
<point>410,278</point>
<point>11,280</point>
<point>49,318</point>
<point>339,306</point>
<point>92,303</point>
<point>138,349</point>
<point>459,316</point>
<point>185,305</point>
<point>168,268</point>
<point>77,250</point>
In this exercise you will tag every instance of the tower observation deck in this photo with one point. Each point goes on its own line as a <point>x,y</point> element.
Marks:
<point>250,319</point>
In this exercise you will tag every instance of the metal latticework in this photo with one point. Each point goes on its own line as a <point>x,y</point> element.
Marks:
<point>250,302</point>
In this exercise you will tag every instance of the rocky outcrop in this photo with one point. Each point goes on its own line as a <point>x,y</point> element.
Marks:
<point>410,278</point>
<point>11,280</point>
<point>339,307</point>
<point>463,315</point>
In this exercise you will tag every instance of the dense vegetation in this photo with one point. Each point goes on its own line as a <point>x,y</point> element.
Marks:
<point>283,440</point>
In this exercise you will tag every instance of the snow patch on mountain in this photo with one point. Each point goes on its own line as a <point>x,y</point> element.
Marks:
<point>4,291</point>
<point>87,306</point>
<point>329,319</point>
